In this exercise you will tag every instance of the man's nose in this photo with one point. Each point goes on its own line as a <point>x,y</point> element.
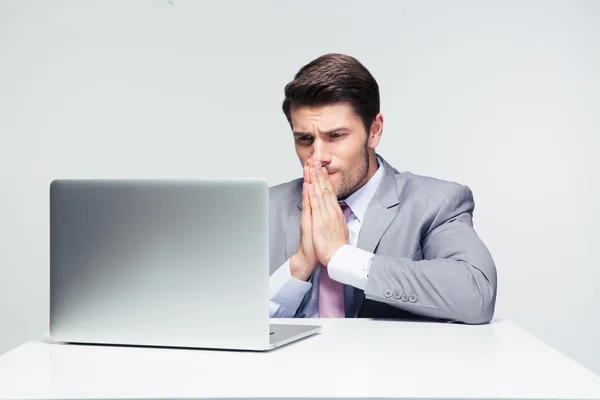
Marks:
<point>321,153</point>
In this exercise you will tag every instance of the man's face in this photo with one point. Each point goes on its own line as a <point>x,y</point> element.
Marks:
<point>335,136</point>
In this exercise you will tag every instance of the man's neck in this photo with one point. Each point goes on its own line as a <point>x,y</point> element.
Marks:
<point>373,166</point>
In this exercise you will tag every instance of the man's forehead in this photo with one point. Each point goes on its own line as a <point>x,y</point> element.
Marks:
<point>323,118</point>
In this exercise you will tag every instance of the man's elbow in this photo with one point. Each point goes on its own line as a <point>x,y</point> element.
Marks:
<point>476,305</point>
<point>479,308</point>
<point>483,317</point>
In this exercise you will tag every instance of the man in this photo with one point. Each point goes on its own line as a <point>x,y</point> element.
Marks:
<point>354,237</point>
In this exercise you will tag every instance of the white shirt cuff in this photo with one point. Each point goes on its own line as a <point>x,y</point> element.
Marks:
<point>350,265</point>
<point>287,292</point>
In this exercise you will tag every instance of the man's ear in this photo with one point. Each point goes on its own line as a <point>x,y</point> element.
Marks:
<point>376,131</point>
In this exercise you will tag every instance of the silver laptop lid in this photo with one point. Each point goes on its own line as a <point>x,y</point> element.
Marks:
<point>160,262</point>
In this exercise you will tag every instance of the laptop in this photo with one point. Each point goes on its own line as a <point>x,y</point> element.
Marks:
<point>167,263</point>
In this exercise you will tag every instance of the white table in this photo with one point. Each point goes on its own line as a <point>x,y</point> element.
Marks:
<point>351,358</point>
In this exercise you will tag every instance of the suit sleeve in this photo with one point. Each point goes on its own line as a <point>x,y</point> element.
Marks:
<point>455,281</point>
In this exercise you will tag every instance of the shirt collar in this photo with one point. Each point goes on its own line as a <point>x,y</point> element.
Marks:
<point>359,200</point>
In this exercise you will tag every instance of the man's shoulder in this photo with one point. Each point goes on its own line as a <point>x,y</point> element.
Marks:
<point>411,181</point>
<point>416,186</point>
<point>287,191</point>
<point>426,181</point>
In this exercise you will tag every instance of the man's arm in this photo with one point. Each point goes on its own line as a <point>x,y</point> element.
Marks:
<point>456,280</point>
<point>287,292</point>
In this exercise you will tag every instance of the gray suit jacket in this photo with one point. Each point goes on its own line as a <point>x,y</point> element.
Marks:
<point>429,262</point>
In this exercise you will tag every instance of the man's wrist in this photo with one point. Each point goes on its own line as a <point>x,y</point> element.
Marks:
<point>299,268</point>
<point>327,259</point>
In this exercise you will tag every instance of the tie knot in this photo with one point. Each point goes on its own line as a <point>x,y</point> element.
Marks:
<point>345,209</point>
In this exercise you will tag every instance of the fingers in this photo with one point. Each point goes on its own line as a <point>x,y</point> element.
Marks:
<point>324,188</point>
<point>330,203</point>
<point>318,210</point>
<point>333,196</point>
<point>305,221</point>
<point>314,204</point>
<point>306,209</point>
<point>306,174</point>
<point>318,191</point>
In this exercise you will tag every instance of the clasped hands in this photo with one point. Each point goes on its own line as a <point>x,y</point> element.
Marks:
<point>323,228</point>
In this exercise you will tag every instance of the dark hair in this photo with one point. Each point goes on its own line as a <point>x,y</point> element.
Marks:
<point>334,78</point>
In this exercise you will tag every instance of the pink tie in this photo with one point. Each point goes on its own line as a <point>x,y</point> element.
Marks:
<point>331,293</point>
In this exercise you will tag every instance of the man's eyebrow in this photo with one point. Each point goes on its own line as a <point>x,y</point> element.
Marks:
<point>324,133</point>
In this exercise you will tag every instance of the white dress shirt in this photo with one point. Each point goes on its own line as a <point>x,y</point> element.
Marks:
<point>349,265</point>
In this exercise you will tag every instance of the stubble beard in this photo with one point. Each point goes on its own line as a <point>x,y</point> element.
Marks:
<point>351,179</point>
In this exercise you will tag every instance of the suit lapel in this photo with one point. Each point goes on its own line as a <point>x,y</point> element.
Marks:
<point>380,213</point>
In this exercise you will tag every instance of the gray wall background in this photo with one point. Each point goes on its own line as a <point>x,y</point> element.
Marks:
<point>501,96</point>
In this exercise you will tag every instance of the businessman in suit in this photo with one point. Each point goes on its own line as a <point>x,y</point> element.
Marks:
<point>354,237</point>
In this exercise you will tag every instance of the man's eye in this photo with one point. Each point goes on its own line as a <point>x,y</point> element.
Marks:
<point>305,137</point>
<point>336,135</point>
